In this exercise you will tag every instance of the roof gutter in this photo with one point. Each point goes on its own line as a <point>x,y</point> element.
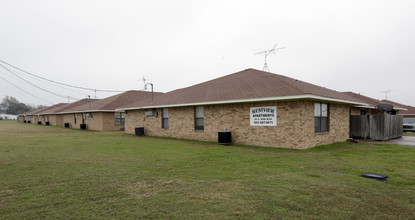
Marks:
<point>278,98</point>
<point>85,111</point>
<point>374,107</point>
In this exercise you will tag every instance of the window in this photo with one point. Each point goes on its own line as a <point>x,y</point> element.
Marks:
<point>74,118</point>
<point>199,118</point>
<point>321,119</point>
<point>362,112</point>
<point>119,118</point>
<point>165,118</point>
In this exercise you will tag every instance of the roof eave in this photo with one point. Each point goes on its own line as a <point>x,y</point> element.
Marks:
<point>401,109</point>
<point>83,111</point>
<point>373,107</point>
<point>278,98</point>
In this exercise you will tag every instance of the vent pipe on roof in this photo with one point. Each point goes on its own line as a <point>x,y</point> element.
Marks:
<point>152,96</point>
<point>89,102</point>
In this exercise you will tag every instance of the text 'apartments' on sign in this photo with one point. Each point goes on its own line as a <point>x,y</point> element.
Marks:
<point>263,116</point>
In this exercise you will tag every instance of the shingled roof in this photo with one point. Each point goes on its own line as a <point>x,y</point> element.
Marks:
<point>249,85</point>
<point>66,108</point>
<point>31,112</point>
<point>410,109</point>
<point>373,103</point>
<point>111,103</point>
<point>53,109</point>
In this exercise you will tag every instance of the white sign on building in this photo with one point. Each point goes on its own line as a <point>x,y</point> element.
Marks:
<point>263,116</point>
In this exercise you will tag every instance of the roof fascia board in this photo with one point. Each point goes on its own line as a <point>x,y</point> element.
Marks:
<point>366,106</point>
<point>372,107</point>
<point>279,98</point>
<point>402,109</point>
<point>86,111</point>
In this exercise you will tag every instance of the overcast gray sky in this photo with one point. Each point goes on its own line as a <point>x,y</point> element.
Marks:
<point>361,46</point>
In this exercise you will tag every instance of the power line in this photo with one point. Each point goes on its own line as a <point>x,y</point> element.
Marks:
<point>64,84</point>
<point>14,77</point>
<point>36,85</point>
<point>48,83</point>
<point>24,90</point>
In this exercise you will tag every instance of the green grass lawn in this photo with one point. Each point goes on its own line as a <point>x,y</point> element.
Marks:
<point>409,134</point>
<point>56,173</point>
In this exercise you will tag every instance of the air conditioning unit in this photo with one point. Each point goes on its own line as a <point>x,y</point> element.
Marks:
<point>224,137</point>
<point>24,121</point>
<point>66,125</point>
<point>47,123</point>
<point>139,131</point>
<point>83,126</point>
<point>39,122</point>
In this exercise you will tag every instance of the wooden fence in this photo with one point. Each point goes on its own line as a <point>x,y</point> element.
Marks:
<point>376,127</point>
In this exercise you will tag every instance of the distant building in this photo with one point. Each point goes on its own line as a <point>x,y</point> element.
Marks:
<point>410,113</point>
<point>101,115</point>
<point>371,106</point>
<point>8,117</point>
<point>92,114</point>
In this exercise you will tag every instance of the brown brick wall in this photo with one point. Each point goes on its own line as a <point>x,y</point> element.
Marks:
<point>35,119</point>
<point>100,121</point>
<point>27,118</point>
<point>59,120</point>
<point>295,124</point>
<point>55,120</point>
<point>44,119</point>
<point>52,119</point>
<point>94,123</point>
<point>69,118</point>
<point>108,122</point>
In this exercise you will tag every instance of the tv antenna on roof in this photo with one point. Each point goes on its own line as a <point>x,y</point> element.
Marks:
<point>386,94</point>
<point>144,81</point>
<point>266,53</point>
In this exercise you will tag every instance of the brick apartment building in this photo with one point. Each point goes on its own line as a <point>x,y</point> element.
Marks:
<point>100,114</point>
<point>259,108</point>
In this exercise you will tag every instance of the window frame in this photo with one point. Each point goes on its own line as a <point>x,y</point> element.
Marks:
<point>199,127</point>
<point>120,120</point>
<point>165,118</point>
<point>319,117</point>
